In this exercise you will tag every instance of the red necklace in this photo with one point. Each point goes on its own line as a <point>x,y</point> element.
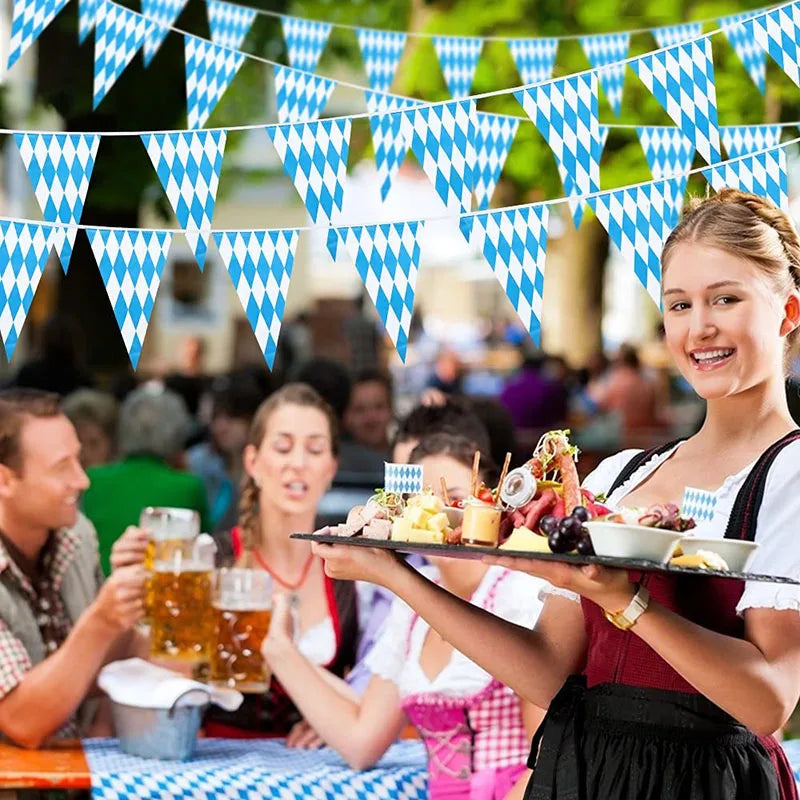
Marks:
<point>292,587</point>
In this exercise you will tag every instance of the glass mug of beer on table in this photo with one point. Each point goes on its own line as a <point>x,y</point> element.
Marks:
<point>242,610</point>
<point>178,594</point>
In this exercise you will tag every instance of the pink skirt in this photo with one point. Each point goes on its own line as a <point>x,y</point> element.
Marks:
<point>488,784</point>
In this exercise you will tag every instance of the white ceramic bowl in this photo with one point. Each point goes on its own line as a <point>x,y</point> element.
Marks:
<point>737,554</point>
<point>632,541</point>
<point>455,516</point>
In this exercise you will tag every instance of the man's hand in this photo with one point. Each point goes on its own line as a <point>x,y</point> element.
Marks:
<point>304,737</point>
<point>130,548</point>
<point>119,604</point>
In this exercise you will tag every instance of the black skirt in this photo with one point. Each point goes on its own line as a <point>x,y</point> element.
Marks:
<point>616,742</point>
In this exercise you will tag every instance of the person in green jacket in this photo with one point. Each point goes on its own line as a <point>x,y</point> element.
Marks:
<point>153,428</point>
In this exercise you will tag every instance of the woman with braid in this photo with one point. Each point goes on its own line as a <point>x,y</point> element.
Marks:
<point>661,686</point>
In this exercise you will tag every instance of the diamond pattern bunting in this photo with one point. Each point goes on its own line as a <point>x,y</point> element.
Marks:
<point>300,96</point>
<point>131,263</point>
<point>534,58</point>
<point>229,23</point>
<point>209,71</point>
<point>602,51</point>
<point>638,221</point>
<point>494,135</point>
<point>387,259</point>
<point>442,137</point>
<point>458,57</point>
<point>677,34</point>
<point>87,9</point>
<point>260,266</point>
<point>565,112</point>
<point>777,32</point>
<point>514,243</point>
<point>763,174</point>
<point>29,19</point>
<point>667,150</point>
<point>750,53</point>
<point>60,166</point>
<point>163,13</point>
<point>24,247</point>
<point>188,164</point>
<point>388,141</point>
<point>740,140</point>
<point>682,80</point>
<point>381,51</point>
<point>305,41</point>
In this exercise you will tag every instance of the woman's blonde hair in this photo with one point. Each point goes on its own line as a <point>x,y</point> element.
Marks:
<point>747,226</point>
<point>298,394</point>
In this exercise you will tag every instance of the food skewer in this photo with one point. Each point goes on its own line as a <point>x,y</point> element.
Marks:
<point>476,463</point>
<point>445,496</point>
<point>502,480</point>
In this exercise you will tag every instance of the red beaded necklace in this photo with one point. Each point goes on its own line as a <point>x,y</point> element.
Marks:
<point>291,586</point>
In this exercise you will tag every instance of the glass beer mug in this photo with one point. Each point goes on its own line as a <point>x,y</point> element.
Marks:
<point>242,610</point>
<point>178,594</point>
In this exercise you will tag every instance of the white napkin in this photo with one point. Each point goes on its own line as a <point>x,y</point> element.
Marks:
<point>136,682</point>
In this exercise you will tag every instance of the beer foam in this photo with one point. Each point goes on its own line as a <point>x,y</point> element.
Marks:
<point>242,605</point>
<point>179,566</point>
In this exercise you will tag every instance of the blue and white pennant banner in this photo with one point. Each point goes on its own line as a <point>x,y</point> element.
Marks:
<point>60,166</point>
<point>163,13</point>
<point>388,137</point>
<point>188,165</point>
<point>740,140</point>
<point>131,263</point>
<point>305,41</point>
<point>458,58</point>
<point>260,267</point>
<point>753,58</point>
<point>381,52</point>
<point>210,68</point>
<point>677,34</point>
<point>229,23</point>
<point>494,134</point>
<point>29,19</point>
<point>763,174</point>
<point>777,32</point>
<point>87,11</point>
<point>387,259</point>
<point>602,51</point>
<point>667,150</point>
<point>534,58</point>
<point>300,96</point>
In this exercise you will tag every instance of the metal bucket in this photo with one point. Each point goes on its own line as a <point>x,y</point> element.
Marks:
<point>165,733</point>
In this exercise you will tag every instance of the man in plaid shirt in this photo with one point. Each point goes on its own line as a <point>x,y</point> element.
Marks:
<point>58,622</point>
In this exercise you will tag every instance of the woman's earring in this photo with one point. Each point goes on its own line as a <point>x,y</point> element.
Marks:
<point>257,482</point>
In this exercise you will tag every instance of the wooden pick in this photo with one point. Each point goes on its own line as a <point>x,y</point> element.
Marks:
<point>444,491</point>
<point>503,474</point>
<point>476,465</point>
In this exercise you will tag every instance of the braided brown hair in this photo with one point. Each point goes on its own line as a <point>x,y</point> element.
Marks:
<point>298,394</point>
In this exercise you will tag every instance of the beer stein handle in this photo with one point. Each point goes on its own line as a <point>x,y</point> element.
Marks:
<point>174,706</point>
<point>204,550</point>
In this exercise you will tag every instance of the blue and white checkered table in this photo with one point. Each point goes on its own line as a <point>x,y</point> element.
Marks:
<point>249,769</point>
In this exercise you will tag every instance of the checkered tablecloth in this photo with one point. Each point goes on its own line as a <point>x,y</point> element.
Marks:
<point>253,769</point>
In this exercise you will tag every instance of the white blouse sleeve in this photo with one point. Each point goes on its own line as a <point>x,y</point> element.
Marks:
<point>776,534</point>
<point>388,656</point>
<point>598,481</point>
<point>518,598</point>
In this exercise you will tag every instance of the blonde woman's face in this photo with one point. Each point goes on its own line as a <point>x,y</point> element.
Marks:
<point>294,464</point>
<point>725,325</point>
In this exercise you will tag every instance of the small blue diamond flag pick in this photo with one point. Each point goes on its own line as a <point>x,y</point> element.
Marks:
<point>209,71</point>
<point>534,58</point>
<point>229,23</point>
<point>741,140</point>
<point>131,263</point>
<point>698,504</point>
<point>458,57</point>
<point>260,266</point>
<point>305,41</point>
<point>24,247</point>
<point>300,96</point>
<point>749,51</point>
<point>677,34</point>
<point>188,164</point>
<point>602,51</point>
<point>164,13</point>
<point>381,51</point>
<point>402,478</point>
<point>388,137</point>
<point>30,18</point>
<point>494,134</point>
<point>777,32</point>
<point>763,174</point>
<point>59,166</point>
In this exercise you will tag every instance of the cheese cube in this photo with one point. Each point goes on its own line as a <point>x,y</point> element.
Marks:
<point>401,530</point>
<point>438,522</point>
<point>425,536</point>
<point>431,503</point>
<point>418,516</point>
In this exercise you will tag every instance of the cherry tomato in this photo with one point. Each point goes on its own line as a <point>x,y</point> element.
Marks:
<point>485,495</point>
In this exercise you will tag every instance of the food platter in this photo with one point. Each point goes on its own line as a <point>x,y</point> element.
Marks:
<point>463,551</point>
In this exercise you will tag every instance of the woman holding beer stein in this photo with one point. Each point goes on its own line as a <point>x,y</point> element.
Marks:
<point>476,730</point>
<point>659,686</point>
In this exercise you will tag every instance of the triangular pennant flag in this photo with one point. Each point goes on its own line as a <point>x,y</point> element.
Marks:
<point>188,164</point>
<point>677,191</point>
<point>667,150</point>
<point>314,156</point>
<point>260,266</point>
<point>534,58</point>
<point>458,58</point>
<point>602,137</point>
<point>300,96</point>
<point>682,80</point>
<point>742,41</point>
<point>494,134</point>
<point>638,220</point>
<point>60,166</point>
<point>388,139</point>
<point>741,140</point>
<point>163,13</point>
<point>387,259</point>
<point>514,243</point>
<point>565,112</point>
<point>209,72</point>
<point>677,34</point>
<point>381,51</point>
<point>87,10</point>
<point>119,33</point>
<point>305,41</point>
<point>763,174</point>
<point>229,23</point>
<point>777,32</point>
<point>131,263</point>
<point>609,48</point>
<point>24,247</point>
<point>442,137</point>
<point>29,19</point>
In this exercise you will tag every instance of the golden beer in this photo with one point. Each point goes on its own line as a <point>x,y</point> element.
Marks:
<point>236,654</point>
<point>181,623</point>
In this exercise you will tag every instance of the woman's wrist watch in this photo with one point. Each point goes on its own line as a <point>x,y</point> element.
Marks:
<point>626,619</point>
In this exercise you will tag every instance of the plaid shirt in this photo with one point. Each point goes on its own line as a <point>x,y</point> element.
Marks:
<point>45,601</point>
